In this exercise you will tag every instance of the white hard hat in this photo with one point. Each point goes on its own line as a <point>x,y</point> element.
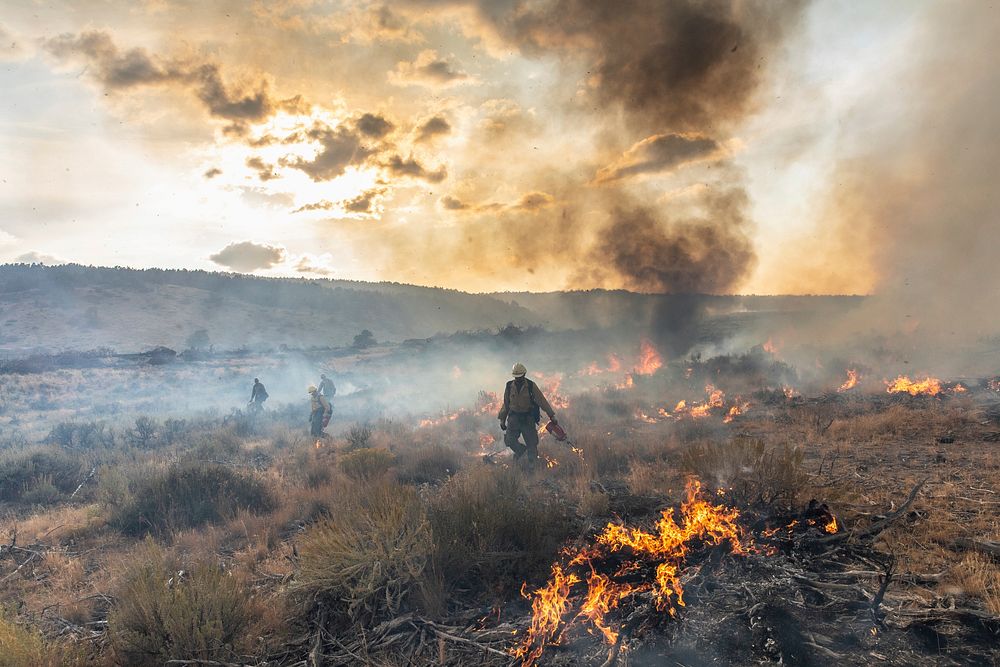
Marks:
<point>519,370</point>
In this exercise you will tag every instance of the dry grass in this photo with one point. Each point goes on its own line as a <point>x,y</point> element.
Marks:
<point>978,575</point>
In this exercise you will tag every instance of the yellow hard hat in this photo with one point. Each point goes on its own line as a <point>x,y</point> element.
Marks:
<point>312,389</point>
<point>519,370</point>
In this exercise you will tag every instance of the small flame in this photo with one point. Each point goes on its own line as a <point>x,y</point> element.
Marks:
<point>789,392</point>
<point>832,526</point>
<point>959,389</point>
<point>738,409</point>
<point>851,382</point>
<point>927,387</point>
<point>769,347</point>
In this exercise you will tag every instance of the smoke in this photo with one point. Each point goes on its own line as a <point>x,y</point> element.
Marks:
<point>667,83</point>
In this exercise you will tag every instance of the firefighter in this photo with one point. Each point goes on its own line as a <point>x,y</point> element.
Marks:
<point>319,415</point>
<point>257,396</point>
<point>523,403</point>
<point>326,386</point>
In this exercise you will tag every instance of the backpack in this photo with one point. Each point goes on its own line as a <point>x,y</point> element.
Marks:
<point>536,411</point>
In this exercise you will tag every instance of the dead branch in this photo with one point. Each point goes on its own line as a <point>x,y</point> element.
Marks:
<point>876,527</point>
<point>984,546</point>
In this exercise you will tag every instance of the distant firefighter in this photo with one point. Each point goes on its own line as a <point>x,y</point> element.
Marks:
<point>258,395</point>
<point>326,386</point>
<point>320,411</point>
<point>523,403</point>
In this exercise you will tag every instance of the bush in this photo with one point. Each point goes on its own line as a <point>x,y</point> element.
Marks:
<point>428,465</point>
<point>142,434</point>
<point>164,613</point>
<point>23,472</point>
<point>21,647</point>
<point>81,435</point>
<point>188,495</point>
<point>752,474</point>
<point>490,533</point>
<point>369,560</point>
<point>365,464</point>
<point>359,436</point>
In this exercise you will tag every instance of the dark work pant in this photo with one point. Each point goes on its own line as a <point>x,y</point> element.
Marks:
<point>316,423</point>
<point>518,425</point>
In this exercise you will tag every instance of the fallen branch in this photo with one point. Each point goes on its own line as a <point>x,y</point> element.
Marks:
<point>876,527</point>
<point>983,546</point>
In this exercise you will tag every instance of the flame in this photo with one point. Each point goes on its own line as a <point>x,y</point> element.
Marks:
<point>657,555</point>
<point>650,360</point>
<point>627,383</point>
<point>738,409</point>
<point>614,365</point>
<point>928,386</point>
<point>832,526</point>
<point>789,392</point>
<point>959,389</point>
<point>769,347</point>
<point>851,382</point>
<point>643,417</point>
<point>551,384</point>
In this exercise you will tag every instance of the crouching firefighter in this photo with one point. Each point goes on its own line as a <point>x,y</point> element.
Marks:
<point>523,403</point>
<point>320,411</point>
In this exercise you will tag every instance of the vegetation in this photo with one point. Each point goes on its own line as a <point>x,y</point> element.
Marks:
<point>165,612</point>
<point>188,495</point>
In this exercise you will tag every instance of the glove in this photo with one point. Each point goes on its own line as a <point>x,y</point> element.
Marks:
<point>503,426</point>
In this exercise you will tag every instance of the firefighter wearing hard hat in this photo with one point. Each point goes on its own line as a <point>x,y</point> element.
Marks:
<point>320,411</point>
<point>523,403</point>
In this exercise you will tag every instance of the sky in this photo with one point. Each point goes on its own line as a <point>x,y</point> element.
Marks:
<point>506,145</point>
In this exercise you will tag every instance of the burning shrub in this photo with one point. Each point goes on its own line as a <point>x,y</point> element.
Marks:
<point>166,613</point>
<point>490,532</point>
<point>188,495</point>
<point>428,465</point>
<point>369,559</point>
<point>364,464</point>
<point>751,473</point>
<point>45,470</point>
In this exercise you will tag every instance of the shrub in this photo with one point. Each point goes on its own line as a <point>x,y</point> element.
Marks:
<point>142,434</point>
<point>359,436</point>
<point>81,435</point>
<point>21,647</point>
<point>428,465</point>
<point>165,613</point>
<point>370,558</point>
<point>490,532</point>
<point>365,464</point>
<point>188,495</point>
<point>752,474</point>
<point>22,472</point>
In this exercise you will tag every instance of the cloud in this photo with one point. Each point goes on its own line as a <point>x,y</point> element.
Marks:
<point>530,202</point>
<point>365,205</point>
<point>428,69</point>
<point>659,153</point>
<point>340,148</point>
<point>450,203</point>
<point>11,47</point>
<point>121,70</point>
<point>321,265</point>
<point>410,167</point>
<point>372,125</point>
<point>7,238</point>
<point>432,127</point>
<point>212,173</point>
<point>34,257</point>
<point>367,202</point>
<point>534,201</point>
<point>249,256</point>
<point>265,172</point>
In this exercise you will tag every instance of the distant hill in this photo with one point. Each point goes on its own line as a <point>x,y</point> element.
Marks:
<point>74,307</point>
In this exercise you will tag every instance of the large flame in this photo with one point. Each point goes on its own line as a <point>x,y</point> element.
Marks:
<point>927,387</point>
<point>650,360</point>
<point>654,561</point>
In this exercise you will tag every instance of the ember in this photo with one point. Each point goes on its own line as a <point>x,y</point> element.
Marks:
<point>653,562</point>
